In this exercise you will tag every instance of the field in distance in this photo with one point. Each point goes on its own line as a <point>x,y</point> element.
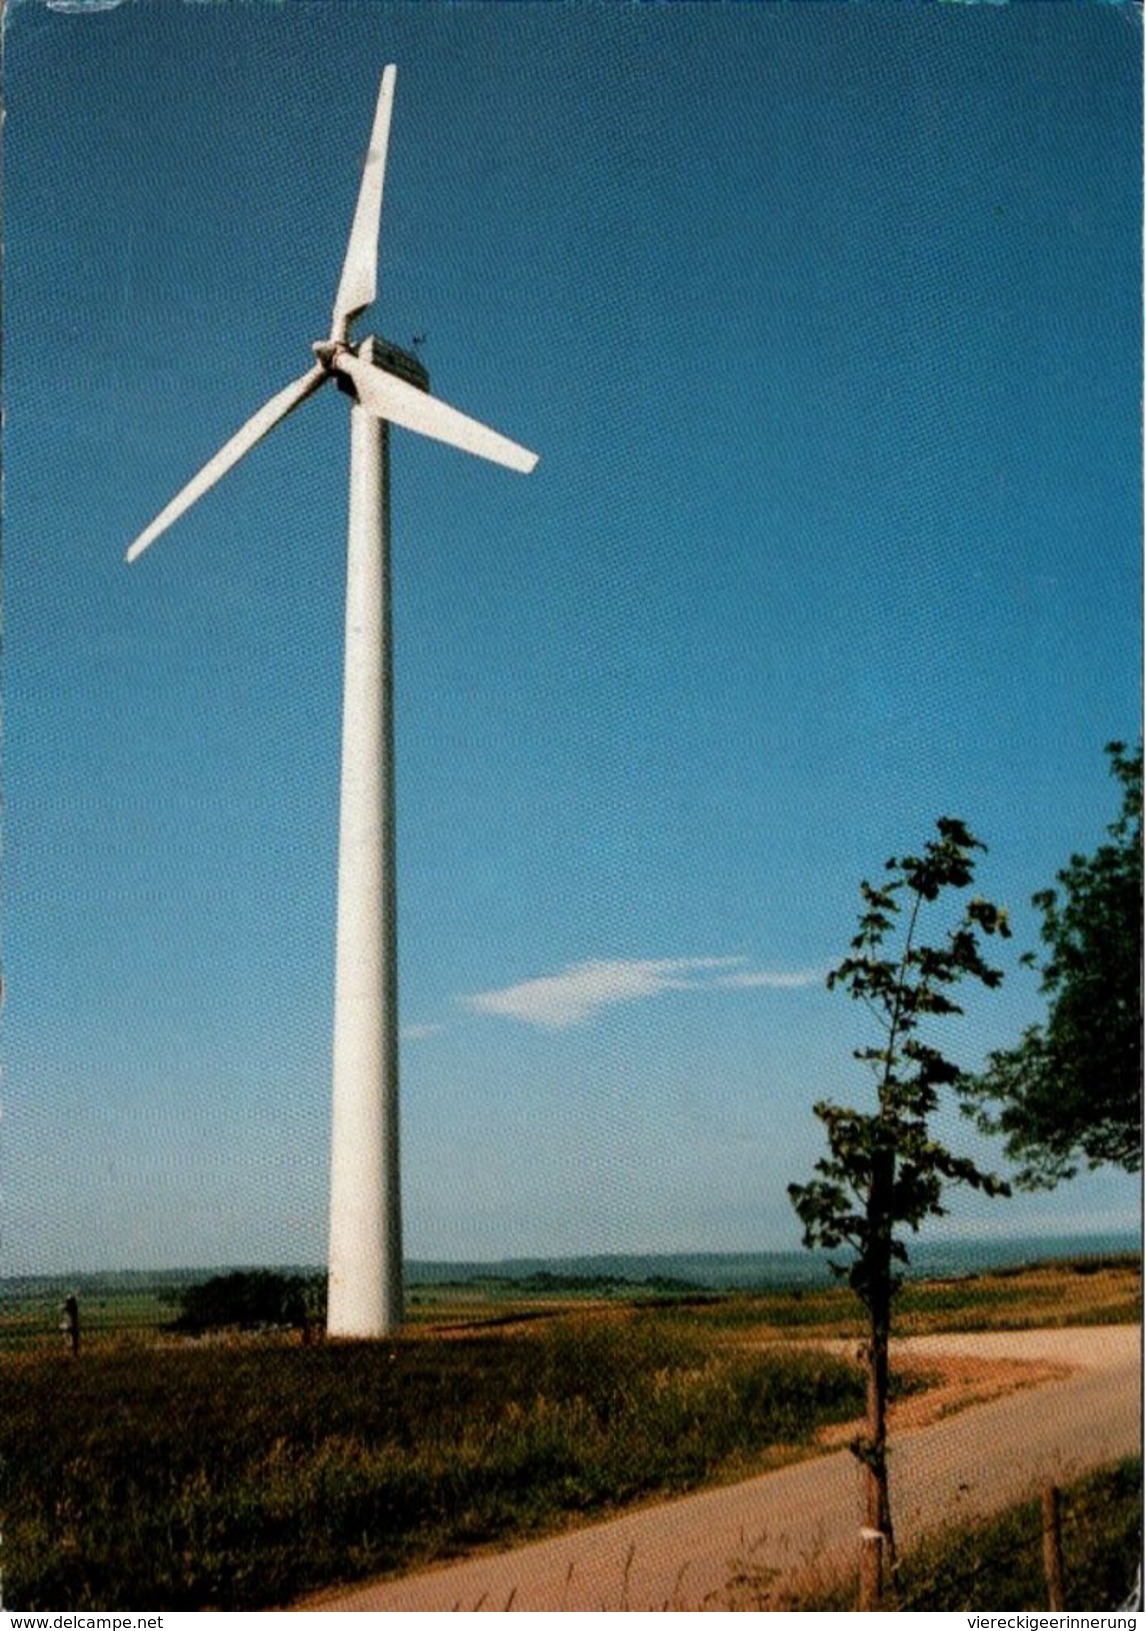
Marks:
<point>785,1291</point>
<point>1092,1288</point>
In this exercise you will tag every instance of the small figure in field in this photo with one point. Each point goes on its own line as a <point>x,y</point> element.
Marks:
<point>70,1324</point>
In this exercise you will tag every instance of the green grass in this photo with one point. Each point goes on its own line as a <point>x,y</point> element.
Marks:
<point>996,1564</point>
<point>33,1321</point>
<point>241,1477</point>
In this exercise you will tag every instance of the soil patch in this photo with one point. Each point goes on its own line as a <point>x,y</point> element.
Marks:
<point>951,1382</point>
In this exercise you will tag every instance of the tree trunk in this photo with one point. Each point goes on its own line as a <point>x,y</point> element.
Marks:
<point>878,1561</point>
<point>878,1553</point>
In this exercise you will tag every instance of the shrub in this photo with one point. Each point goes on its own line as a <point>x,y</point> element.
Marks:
<point>249,1299</point>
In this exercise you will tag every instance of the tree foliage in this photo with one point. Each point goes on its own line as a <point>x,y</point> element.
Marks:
<point>884,1170</point>
<point>1072,1088</point>
<point>247,1298</point>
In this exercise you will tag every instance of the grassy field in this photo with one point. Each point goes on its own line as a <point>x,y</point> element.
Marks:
<point>154,1473</point>
<point>1082,1292</point>
<point>32,1321</point>
<point>239,1477</point>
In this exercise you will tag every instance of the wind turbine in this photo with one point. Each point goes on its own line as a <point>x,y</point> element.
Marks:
<point>387,386</point>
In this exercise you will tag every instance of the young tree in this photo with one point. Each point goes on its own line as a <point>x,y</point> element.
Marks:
<point>1073,1087</point>
<point>884,1169</point>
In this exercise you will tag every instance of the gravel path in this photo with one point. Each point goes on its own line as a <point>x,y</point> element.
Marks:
<point>683,1553</point>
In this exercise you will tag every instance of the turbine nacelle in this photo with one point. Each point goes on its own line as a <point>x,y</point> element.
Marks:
<point>384,354</point>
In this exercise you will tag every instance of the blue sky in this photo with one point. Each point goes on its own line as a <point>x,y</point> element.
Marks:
<point>825,322</point>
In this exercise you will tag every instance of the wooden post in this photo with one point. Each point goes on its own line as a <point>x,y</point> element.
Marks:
<point>1052,1547</point>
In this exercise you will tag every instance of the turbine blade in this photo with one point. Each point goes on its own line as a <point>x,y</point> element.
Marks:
<point>359,271</point>
<point>230,453</point>
<point>388,397</point>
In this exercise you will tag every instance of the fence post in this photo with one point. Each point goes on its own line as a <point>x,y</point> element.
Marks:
<point>1052,1546</point>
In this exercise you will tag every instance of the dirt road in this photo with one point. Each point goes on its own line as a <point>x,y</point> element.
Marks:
<point>685,1553</point>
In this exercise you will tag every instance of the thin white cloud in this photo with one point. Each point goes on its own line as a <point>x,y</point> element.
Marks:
<point>558,1001</point>
<point>418,1033</point>
<point>776,982</point>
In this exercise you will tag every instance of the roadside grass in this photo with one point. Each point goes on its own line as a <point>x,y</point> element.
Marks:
<point>999,1564</point>
<point>996,1564</point>
<point>228,1477</point>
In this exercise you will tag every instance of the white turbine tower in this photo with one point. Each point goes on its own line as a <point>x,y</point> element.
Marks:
<point>387,386</point>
